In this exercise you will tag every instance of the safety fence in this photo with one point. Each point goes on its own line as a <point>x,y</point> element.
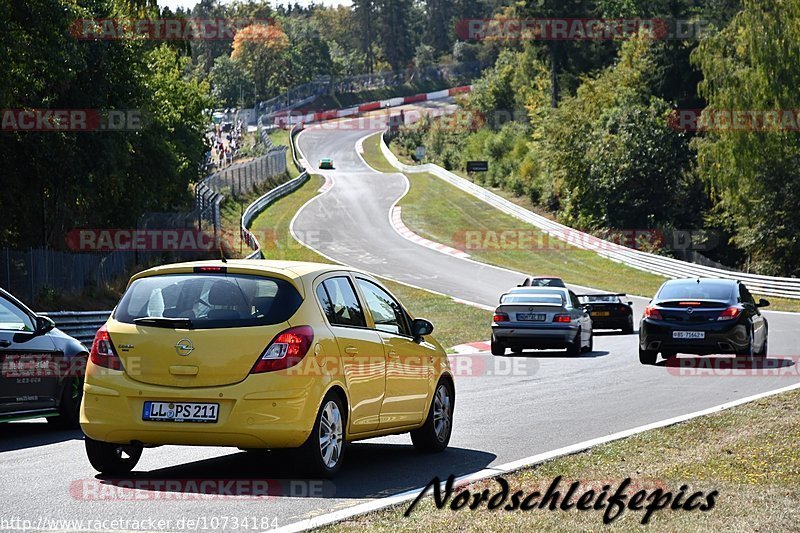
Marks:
<point>265,200</point>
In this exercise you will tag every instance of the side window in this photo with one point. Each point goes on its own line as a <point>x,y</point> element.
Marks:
<point>340,303</point>
<point>745,295</point>
<point>386,311</point>
<point>573,299</point>
<point>13,318</point>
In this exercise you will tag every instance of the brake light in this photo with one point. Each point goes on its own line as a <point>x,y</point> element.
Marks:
<point>500,317</point>
<point>103,352</point>
<point>652,313</point>
<point>207,269</point>
<point>623,308</point>
<point>730,313</point>
<point>286,350</point>
<point>562,318</point>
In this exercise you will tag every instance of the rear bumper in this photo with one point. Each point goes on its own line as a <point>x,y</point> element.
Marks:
<point>538,336</point>
<point>259,412</point>
<point>610,322</point>
<point>720,338</point>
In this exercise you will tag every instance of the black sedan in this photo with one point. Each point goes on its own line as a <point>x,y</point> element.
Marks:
<point>702,317</point>
<point>609,311</point>
<point>41,368</point>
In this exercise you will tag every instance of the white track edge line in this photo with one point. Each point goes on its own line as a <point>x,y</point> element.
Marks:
<point>383,503</point>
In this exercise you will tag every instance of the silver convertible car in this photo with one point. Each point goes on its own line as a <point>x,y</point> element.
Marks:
<point>541,317</point>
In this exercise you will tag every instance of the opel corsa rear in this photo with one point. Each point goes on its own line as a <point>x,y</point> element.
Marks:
<point>262,355</point>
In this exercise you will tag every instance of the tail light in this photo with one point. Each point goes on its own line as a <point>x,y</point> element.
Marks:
<point>500,317</point>
<point>622,308</point>
<point>286,350</point>
<point>730,313</point>
<point>562,318</point>
<point>103,352</point>
<point>652,313</point>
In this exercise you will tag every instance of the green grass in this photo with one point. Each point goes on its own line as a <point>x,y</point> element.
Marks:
<point>748,454</point>
<point>373,156</point>
<point>280,137</point>
<point>444,213</point>
<point>455,323</point>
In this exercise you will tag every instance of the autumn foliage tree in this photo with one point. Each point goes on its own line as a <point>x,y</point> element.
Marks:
<point>259,48</point>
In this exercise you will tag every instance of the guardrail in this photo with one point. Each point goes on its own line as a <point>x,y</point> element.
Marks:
<point>262,202</point>
<point>79,324</point>
<point>668,267</point>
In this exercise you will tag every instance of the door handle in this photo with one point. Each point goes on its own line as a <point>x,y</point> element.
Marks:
<point>392,353</point>
<point>5,343</point>
<point>351,350</point>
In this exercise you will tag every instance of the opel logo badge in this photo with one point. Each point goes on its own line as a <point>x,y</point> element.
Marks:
<point>184,347</point>
<point>689,311</point>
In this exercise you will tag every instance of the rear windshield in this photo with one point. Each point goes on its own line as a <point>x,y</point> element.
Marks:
<point>548,299</point>
<point>210,300</point>
<point>705,290</point>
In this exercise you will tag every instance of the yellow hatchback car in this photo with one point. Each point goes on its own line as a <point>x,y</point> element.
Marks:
<point>262,354</point>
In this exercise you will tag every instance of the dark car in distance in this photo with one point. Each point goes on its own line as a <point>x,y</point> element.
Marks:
<point>701,317</point>
<point>609,311</point>
<point>41,368</point>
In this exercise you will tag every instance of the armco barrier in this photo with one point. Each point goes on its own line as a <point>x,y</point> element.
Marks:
<point>79,324</point>
<point>262,202</point>
<point>655,264</point>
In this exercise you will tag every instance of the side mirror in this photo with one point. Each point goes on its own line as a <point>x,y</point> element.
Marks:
<point>630,303</point>
<point>44,324</point>
<point>762,303</point>
<point>586,307</point>
<point>421,327</point>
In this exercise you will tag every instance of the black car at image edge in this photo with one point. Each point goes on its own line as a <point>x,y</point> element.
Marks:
<point>702,317</point>
<point>41,367</point>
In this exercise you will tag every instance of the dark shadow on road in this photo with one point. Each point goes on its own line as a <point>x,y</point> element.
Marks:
<point>22,435</point>
<point>551,354</point>
<point>612,333</point>
<point>371,470</point>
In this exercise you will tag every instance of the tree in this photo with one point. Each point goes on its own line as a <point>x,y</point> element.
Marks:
<point>260,48</point>
<point>751,65</point>
<point>231,83</point>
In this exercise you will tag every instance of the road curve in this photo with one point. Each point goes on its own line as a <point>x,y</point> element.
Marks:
<point>549,401</point>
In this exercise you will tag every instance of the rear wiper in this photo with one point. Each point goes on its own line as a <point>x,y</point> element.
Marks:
<point>164,322</point>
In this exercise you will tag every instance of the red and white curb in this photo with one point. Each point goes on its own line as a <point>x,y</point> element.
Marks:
<point>400,227</point>
<point>472,347</point>
<point>290,119</point>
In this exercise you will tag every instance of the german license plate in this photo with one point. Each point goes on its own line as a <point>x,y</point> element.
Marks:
<point>688,334</point>
<point>601,313</point>
<point>180,412</point>
<point>531,317</point>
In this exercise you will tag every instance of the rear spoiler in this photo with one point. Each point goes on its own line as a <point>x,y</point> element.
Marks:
<point>598,295</point>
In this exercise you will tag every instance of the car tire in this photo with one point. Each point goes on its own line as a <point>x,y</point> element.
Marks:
<point>669,355</point>
<point>574,348</point>
<point>69,406</point>
<point>517,350</point>
<point>434,435</point>
<point>110,458</point>
<point>497,348</point>
<point>590,348</point>
<point>324,459</point>
<point>764,351</point>
<point>647,357</point>
<point>628,329</point>
<point>749,351</point>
